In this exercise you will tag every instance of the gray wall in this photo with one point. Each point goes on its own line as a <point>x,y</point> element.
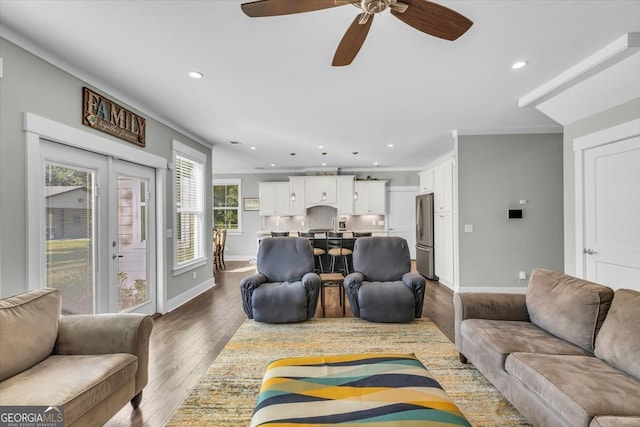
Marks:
<point>494,173</point>
<point>30,84</point>
<point>606,119</point>
<point>244,245</point>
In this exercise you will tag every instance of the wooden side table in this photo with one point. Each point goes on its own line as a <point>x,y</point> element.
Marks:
<point>332,280</point>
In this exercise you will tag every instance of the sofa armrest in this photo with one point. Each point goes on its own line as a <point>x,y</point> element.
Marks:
<point>106,334</point>
<point>491,306</point>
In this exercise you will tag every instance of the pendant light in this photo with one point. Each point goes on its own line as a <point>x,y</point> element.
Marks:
<point>355,173</point>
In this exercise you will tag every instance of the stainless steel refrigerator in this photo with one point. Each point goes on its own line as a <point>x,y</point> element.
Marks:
<point>424,236</point>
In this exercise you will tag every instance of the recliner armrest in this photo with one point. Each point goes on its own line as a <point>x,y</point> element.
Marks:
<point>490,306</point>
<point>351,284</point>
<point>247,286</point>
<point>417,284</point>
<point>107,334</point>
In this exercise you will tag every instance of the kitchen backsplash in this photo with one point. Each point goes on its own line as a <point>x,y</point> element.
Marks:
<point>322,217</point>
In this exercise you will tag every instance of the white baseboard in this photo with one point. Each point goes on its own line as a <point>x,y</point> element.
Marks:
<point>240,257</point>
<point>494,289</point>
<point>185,297</point>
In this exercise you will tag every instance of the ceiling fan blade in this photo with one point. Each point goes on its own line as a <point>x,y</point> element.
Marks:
<point>433,19</point>
<point>352,40</point>
<point>285,7</point>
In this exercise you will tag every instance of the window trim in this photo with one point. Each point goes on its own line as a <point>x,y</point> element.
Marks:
<point>231,181</point>
<point>183,150</point>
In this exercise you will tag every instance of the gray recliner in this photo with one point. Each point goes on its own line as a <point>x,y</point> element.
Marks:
<point>285,289</point>
<point>382,287</point>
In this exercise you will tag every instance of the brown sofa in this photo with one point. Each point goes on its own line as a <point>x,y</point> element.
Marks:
<point>565,354</point>
<point>91,365</point>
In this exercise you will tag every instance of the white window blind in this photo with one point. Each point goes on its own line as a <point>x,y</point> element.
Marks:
<point>189,191</point>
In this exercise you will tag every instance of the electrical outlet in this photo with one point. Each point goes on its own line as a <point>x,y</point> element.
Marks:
<point>522,275</point>
<point>194,275</point>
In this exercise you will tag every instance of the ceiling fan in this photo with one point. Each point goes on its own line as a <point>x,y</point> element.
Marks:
<point>423,15</point>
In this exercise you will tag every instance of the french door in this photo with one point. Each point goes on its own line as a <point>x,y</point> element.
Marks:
<point>98,234</point>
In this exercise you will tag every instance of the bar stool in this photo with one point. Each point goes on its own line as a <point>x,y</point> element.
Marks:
<point>336,248</point>
<point>318,251</point>
<point>357,234</point>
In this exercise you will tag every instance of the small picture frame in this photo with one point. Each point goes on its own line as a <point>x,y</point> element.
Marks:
<point>251,204</point>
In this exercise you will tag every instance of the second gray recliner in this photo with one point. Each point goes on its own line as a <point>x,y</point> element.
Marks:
<point>382,287</point>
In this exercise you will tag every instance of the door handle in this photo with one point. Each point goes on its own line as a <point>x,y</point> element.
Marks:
<point>114,256</point>
<point>589,251</point>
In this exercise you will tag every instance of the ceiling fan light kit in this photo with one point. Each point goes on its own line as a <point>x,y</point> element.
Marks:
<point>423,15</point>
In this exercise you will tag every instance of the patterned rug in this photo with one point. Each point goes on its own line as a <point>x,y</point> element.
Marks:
<point>227,392</point>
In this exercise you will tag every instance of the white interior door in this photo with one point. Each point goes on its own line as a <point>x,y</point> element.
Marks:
<point>98,231</point>
<point>402,221</point>
<point>611,211</point>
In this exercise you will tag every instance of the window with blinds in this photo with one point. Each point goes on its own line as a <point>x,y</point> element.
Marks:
<point>189,205</point>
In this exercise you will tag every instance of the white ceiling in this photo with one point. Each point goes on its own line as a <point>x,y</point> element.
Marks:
<point>269,82</point>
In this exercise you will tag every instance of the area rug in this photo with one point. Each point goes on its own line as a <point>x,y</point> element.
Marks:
<point>226,394</point>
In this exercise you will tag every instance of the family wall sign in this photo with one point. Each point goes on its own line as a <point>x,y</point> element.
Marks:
<point>105,115</point>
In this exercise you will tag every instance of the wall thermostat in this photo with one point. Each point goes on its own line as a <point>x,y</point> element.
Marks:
<point>515,213</point>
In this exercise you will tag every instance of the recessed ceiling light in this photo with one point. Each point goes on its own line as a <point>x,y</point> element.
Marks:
<point>390,145</point>
<point>324,164</point>
<point>321,146</point>
<point>196,74</point>
<point>273,165</point>
<point>252,148</point>
<point>519,64</point>
<point>376,163</point>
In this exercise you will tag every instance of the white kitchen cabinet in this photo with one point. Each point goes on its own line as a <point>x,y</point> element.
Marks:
<point>443,187</point>
<point>372,197</point>
<point>426,181</point>
<point>274,198</point>
<point>345,194</point>
<point>296,197</point>
<point>321,190</point>
<point>443,244</point>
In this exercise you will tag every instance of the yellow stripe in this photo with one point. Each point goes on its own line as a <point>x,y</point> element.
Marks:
<point>293,361</point>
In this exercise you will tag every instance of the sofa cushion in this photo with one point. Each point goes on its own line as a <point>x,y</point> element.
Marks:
<point>28,329</point>
<point>576,387</point>
<point>570,308</point>
<point>618,342</point>
<point>499,338</point>
<point>606,421</point>
<point>81,382</point>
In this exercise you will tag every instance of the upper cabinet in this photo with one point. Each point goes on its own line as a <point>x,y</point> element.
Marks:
<point>345,194</point>
<point>297,197</point>
<point>426,181</point>
<point>321,190</point>
<point>443,187</point>
<point>340,191</point>
<point>371,197</point>
<point>274,198</point>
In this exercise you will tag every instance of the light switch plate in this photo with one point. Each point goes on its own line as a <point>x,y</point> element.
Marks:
<point>468,228</point>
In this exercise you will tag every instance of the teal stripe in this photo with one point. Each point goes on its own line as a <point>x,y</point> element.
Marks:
<point>420,415</point>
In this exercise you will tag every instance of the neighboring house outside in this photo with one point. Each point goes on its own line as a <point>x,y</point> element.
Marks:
<point>68,215</point>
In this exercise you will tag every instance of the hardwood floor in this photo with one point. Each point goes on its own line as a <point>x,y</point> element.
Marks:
<point>185,341</point>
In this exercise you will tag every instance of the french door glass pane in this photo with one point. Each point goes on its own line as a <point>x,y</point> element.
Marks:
<point>133,286</point>
<point>70,237</point>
